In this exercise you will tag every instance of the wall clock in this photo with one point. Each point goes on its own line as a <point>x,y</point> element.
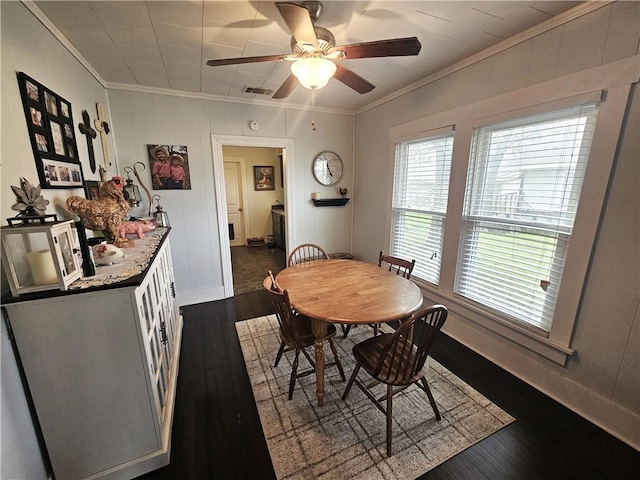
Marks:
<point>327,168</point>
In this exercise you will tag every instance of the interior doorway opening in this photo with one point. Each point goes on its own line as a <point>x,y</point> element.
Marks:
<point>255,200</point>
<point>283,147</point>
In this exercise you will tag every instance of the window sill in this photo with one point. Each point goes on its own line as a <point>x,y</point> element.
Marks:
<point>530,340</point>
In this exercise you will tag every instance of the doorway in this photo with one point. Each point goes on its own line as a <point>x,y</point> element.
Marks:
<point>254,186</point>
<point>285,147</point>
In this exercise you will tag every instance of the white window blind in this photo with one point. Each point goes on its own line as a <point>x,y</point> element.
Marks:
<point>420,190</point>
<point>523,187</point>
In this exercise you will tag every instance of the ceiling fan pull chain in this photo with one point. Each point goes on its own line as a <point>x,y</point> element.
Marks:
<point>313,108</point>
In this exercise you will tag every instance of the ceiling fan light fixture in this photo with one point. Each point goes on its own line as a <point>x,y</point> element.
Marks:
<point>313,72</point>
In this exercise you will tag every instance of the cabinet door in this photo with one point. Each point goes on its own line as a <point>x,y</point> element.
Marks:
<point>158,319</point>
<point>88,379</point>
<point>155,302</point>
<point>146,297</point>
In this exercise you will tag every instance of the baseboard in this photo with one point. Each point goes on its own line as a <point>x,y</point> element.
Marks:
<point>602,412</point>
<point>192,297</point>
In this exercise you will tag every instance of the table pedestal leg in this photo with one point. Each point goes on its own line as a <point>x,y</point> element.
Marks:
<point>319,329</point>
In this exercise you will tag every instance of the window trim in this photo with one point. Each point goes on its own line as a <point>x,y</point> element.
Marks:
<point>616,79</point>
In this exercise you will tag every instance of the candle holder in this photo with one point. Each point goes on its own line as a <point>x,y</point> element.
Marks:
<point>39,256</point>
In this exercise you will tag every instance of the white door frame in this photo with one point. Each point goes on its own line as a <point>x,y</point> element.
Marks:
<point>217,142</point>
<point>243,180</point>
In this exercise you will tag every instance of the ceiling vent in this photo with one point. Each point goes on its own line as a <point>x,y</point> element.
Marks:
<point>258,91</point>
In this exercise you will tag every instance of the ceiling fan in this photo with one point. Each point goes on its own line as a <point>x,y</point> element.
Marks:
<point>315,54</point>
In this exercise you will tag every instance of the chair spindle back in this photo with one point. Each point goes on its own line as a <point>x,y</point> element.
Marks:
<point>404,356</point>
<point>396,264</point>
<point>285,315</point>
<point>305,253</point>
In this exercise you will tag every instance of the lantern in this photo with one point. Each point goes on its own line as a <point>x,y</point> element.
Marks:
<point>39,256</point>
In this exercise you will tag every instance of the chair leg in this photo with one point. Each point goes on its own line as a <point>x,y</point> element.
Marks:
<point>376,329</point>
<point>353,377</point>
<point>345,330</point>
<point>280,352</point>
<point>432,400</point>
<point>294,373</point>
<point>389,417</point>
<point>337,359</point>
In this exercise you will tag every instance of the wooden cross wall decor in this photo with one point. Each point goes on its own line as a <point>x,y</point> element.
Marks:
<point>103,127</point>
<point>90,133</point>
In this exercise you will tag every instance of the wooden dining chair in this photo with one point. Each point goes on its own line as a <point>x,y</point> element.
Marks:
<point>296,335</point>
<point>395,264</point>
<point>399,360</point>
<point>307,252</point>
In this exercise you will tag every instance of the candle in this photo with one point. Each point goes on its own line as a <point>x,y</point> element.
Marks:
<point>315,196</point>
<point>42,267</point>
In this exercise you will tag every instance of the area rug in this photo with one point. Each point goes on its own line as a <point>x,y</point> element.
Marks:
<point>345,439</point>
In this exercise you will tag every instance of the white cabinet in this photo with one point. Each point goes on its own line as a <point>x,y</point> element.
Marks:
<point>102,367</point>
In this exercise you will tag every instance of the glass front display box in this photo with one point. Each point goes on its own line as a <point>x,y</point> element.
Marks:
<point>39,257</point>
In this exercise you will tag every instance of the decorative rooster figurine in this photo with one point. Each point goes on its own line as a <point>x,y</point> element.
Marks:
<point>106,212</point>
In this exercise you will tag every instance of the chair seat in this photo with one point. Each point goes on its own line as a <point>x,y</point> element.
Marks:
<point>305,334</point>
<point>398,360</point>
<point>368,352</point>
<point>296,333</point>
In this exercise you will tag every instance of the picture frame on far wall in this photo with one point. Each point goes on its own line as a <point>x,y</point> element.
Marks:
<point>50,126</point>
<point>263,178</point>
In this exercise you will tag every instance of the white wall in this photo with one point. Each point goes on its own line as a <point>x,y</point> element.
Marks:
<point>139,119</point>
<point>30,48</point>
<point>602,380</point>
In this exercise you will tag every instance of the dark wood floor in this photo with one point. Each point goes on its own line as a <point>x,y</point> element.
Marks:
<point>217,432</point>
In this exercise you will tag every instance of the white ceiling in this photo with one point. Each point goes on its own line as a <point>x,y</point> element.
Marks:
<point>165,44</point>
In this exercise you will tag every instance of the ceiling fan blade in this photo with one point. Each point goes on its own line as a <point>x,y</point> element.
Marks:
<point>287,87</point>
<point>352,79</point>
<point>396,47</point>
<point>237,61</point>
<point>299,22</point>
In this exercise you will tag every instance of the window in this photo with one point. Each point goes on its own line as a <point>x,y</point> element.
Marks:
<point>527,180</point>
<point>523,187</point>
<point>420,191</point>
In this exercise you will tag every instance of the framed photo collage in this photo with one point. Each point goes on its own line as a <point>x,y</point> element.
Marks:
<point>50,123</point>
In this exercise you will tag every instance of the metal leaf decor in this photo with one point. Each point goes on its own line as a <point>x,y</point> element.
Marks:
<point>30,202</point>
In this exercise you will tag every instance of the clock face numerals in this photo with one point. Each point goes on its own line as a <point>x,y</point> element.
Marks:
<point>327,168</point>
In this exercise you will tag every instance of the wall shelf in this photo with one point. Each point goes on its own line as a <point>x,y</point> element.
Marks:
<point>330,202</point>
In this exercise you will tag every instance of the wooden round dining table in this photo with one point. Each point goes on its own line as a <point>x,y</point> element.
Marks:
<point>347,292</point>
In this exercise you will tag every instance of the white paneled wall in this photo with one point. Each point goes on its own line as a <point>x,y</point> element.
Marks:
<point>602,380</point>
<point>28,47</point>
<point>140,119</point>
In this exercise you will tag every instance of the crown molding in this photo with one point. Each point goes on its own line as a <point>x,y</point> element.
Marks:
<point>42,18</point>
<point>220,98</point>
<point>551,23</point>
